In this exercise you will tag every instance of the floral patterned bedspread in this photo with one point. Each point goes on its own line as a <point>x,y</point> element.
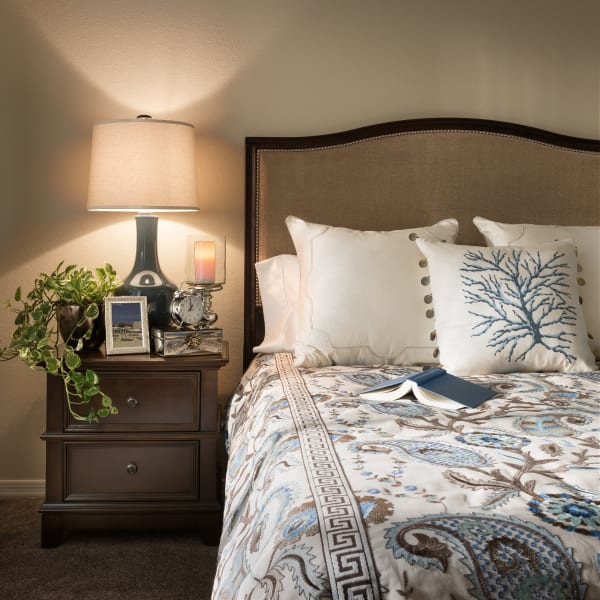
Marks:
<point>329,495</point>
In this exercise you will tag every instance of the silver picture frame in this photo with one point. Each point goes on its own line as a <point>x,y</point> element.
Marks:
<point>126,320</point>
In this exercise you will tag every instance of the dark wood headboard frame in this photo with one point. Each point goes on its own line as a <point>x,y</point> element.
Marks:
<point>586,212</point>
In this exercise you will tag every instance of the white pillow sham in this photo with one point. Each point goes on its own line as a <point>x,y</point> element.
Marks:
<point>278,281</point>
<point>587,242</point>
<point>504,309</point>
<point>364,295</point>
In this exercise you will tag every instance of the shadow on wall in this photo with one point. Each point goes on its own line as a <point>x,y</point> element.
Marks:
<point>36,232</point>
<point>335,69</point>
<point>49,109</point>
<point>307,68</point>
<point>165,57</point>
<point>20,429</point>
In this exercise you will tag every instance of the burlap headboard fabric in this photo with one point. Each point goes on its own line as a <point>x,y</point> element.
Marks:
<point>411,174</point>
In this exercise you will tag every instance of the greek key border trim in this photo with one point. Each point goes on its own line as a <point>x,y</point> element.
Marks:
<point>346,549</point>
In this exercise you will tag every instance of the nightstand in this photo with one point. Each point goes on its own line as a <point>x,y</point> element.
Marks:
<point>153,465</point>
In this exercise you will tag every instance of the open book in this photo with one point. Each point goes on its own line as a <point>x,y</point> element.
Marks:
<point>434,387</point>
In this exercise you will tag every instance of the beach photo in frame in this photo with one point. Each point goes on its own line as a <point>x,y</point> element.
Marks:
<point>126,319</point>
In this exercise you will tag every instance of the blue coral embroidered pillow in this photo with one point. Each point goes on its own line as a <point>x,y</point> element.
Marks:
<point>506,309</point>
<point>587,241</point>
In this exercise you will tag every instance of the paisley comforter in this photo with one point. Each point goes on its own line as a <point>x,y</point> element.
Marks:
<point>329,495</point>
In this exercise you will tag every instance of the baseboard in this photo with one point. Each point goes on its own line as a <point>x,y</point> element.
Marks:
<point>22,487</point>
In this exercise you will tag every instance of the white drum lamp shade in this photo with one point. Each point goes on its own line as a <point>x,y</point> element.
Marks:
<point>142,164</point>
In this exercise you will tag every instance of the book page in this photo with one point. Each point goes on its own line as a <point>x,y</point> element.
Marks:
<point>433,399</point>
<point>391,392</point>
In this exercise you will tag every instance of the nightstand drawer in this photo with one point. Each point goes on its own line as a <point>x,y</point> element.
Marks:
<point>148,402</point>
<point>131,471</point>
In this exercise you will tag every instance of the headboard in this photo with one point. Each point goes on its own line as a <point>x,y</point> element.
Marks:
<point>410,174</point>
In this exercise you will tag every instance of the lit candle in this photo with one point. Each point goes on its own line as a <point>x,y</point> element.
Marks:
<point>204,261</point>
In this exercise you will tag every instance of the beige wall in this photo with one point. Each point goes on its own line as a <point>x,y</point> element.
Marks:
<point>235,68</point>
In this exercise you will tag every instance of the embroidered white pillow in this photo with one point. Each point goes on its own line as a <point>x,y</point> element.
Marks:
<point>504,309</point>
<point>364,294</point>
<point>278,281</point>
<point>587,242</point>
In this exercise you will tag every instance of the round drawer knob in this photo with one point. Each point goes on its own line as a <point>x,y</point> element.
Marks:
<point>132,468</point>
<point>131,402</point>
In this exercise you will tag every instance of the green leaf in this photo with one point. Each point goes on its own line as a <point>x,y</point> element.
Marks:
<point>93,391</point>
<point>72,360</point>
<point>52,365</point>
<point>91,377</point>
<point>77,378</point>
<point>92,311</point>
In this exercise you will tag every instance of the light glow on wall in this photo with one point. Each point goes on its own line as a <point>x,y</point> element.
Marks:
<point>162,56</point>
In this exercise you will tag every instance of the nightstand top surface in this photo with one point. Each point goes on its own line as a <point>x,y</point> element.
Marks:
<point>98,360</point>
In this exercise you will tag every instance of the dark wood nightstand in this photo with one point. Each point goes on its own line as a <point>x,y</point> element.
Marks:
<point>153,465</point>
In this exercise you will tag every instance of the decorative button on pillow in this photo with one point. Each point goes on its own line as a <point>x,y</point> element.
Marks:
<point>504,309</point>
<point>364,294</point>
<point>587,242</point>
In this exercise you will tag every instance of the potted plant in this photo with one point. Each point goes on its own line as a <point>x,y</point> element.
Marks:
<point>69,300</point>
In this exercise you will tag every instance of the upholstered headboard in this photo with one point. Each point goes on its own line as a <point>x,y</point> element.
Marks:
<point>410,174</point>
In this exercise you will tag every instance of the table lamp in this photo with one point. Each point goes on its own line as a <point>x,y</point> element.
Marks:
<point>144,165</point>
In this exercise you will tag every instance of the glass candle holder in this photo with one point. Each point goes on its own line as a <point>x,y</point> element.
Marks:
<point>205,263</point>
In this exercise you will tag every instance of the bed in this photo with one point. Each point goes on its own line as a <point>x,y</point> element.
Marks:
<point>379,252</point>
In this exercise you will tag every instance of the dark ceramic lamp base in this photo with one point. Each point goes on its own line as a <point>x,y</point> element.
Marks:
<point>146,277</point>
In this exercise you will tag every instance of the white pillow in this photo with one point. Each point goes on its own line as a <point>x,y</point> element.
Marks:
<point>278,281</point>
<point>505,309</point>
<point>364,295</point>
<point>587,242</point>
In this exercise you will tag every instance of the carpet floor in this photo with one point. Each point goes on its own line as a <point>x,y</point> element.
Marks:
<point>99,566</point>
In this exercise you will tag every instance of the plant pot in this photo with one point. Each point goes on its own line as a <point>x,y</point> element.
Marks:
<point>70,316</point>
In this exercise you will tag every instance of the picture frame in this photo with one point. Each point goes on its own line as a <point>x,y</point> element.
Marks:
<point>126,320</point>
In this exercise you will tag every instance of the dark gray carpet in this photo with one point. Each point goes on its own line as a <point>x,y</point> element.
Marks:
<point>99,566</point>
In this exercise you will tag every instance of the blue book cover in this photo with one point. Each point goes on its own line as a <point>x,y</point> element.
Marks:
<point>434,387</point>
